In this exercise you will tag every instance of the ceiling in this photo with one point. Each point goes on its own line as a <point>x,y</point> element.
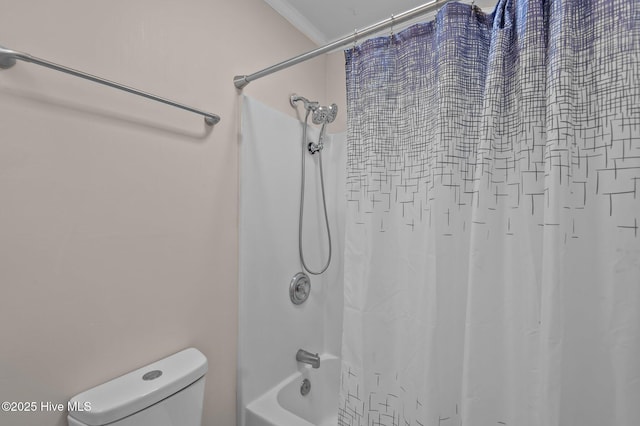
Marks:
<point>326,20</point>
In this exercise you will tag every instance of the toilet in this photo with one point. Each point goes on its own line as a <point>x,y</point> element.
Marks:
<point>168,392</point>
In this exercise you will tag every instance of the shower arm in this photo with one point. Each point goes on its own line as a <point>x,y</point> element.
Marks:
<point>240,81</point>
<point>8,59</point>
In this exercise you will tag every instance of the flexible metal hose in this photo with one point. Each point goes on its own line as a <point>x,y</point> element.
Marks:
<point>324,202</point>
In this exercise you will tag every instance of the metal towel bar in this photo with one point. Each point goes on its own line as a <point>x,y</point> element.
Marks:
<point>8,59</point>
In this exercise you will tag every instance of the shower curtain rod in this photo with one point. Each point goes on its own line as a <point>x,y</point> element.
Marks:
<point>240,81</point>
<point>8,59</point>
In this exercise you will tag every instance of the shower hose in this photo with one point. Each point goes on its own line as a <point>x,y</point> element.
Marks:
<point>324,201</point>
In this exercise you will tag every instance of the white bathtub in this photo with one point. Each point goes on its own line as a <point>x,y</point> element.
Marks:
<point>283,405</point>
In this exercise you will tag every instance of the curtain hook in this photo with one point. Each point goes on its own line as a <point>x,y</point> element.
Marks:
<point>355,38</point>
<point>392,22</point>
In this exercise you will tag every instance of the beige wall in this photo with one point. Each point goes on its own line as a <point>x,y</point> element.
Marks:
<point>336,89</point>
<point>118,216</point>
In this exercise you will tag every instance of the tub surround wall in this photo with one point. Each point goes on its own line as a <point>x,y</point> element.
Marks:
<point>272,329</point>
<point>118,215</point>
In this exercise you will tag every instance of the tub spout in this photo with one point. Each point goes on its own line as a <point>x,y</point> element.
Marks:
<point>308,358</point>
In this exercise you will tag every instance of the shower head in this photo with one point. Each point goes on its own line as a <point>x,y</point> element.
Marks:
<point>325,114</point>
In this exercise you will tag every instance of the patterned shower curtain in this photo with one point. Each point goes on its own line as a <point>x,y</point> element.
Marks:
<point>492,259</point>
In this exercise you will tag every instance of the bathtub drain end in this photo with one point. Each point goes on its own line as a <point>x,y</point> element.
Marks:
<point>306,387</point>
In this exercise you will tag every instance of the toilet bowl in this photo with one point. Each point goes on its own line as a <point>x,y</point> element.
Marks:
<point>168,392</point>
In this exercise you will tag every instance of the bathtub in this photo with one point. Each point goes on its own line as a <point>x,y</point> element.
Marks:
<point>283,405</point>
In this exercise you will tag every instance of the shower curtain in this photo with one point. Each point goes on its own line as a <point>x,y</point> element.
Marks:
<point>492,253</point>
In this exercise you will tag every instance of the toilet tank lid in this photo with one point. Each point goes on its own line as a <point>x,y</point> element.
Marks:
<point>138,389</point>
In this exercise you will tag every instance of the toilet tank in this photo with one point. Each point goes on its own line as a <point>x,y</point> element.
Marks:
<point>168,392</point>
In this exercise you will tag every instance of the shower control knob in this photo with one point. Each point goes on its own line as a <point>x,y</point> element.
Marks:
<point>299,288</point>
